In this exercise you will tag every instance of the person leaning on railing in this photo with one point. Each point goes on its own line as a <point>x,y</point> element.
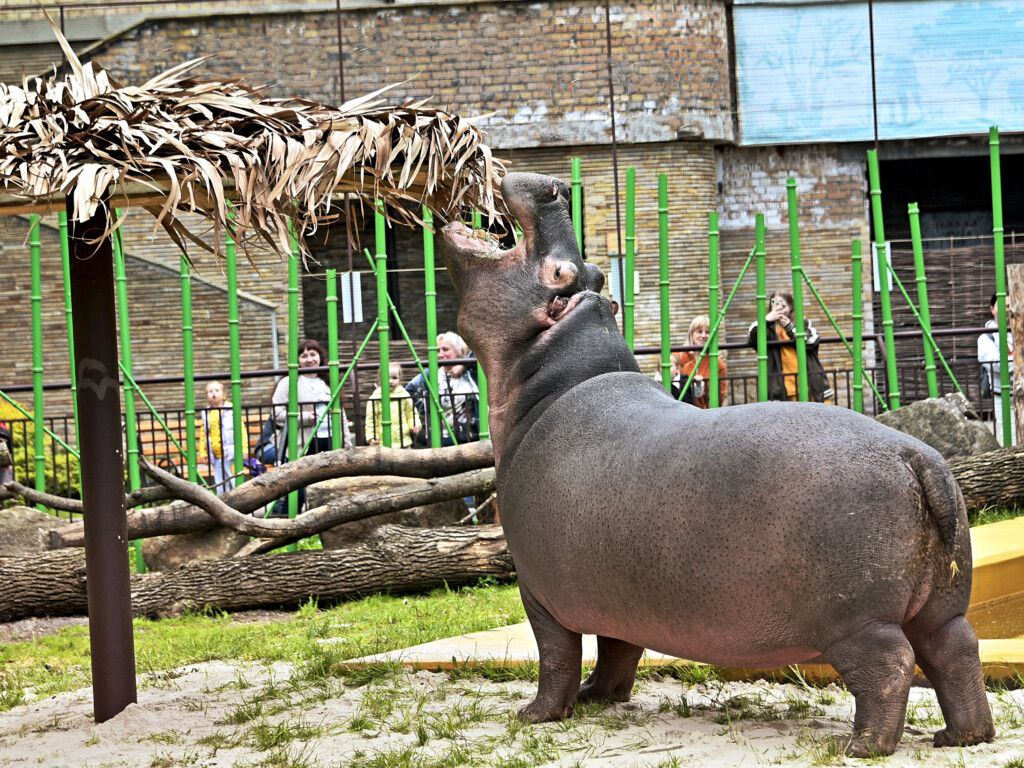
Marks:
<point>314,396</point>
<point>782,358</point>
<point>700,330</point>
<point>457,394</point>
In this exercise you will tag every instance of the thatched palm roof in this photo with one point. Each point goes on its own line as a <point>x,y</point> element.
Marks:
<point>177,143</point>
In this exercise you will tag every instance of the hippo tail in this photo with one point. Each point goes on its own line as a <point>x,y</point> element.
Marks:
<point>943,499</point>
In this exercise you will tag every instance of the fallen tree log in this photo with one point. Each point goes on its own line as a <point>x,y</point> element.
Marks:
<point>345,510</point>
<point>182,517</point>
<point>993,479</point>
<point>393,559</point>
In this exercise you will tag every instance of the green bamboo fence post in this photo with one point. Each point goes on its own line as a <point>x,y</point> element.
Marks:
<point>842,335</point>
<point>188,364</point>
<point>130,423</point>
<point>922,298</point>
<point>293,366</point>
<point>483,410</point>
<point>663,283</point>
<point>928,336</point>
<point>799,332</point>
<point>857,301</point>
<point>997,247</point>
<point>628,300</point>
<point>124,328</point>
<point>39,444</point>
<point>234,347</point>
<point>430,293</point>
<point>714,287</point>
<point>383,328</point>
<point>892,378</point>
<point>332,356</point>
<point>762,303</point>
<point>577,202</point>
<point>65,265</point>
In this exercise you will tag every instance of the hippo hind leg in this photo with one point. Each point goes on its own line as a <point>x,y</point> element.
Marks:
<point>612,678</point>
<point>561,660</point>
<point>877,665</point>
<point>948,656</point>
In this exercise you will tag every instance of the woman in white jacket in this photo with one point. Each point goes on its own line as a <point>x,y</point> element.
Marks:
<point>314,396</point>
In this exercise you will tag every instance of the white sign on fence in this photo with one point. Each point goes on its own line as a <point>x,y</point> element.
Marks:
<point>875,284</point>
<point>616,267</point>
<point>351,286</point>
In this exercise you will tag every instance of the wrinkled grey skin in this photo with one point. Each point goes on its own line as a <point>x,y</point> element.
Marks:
<point>750,536</point>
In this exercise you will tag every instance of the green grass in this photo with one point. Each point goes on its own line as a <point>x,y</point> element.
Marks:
<point>60,662</point>
<point>987,515</point>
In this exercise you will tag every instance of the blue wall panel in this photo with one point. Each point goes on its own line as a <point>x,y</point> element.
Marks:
<point>943,68</point>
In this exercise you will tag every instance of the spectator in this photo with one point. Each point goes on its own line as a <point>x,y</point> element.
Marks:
<point>402,415</point>
<point>314,396</point>
<point>700,330</point>
<point>988,357</point>
<point>782,358</point>
<point>457,393</point>
<point>218,426</point>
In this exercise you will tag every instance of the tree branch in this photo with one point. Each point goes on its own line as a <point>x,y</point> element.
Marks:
<point>353,507</point>
<point>182,517</point>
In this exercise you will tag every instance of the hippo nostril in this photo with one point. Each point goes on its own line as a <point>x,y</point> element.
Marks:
<point>558,271</point>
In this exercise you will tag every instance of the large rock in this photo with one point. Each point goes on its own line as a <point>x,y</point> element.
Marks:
<point>23,530</point>
<point>347,534</point>
<point>169,553</point>
<point>948,424</point>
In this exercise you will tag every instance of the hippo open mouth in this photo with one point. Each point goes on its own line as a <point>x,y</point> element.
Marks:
<point>477,242</point>
<point>561,305</point>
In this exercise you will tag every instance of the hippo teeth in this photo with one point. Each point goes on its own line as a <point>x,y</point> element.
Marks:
<point>557,306</point>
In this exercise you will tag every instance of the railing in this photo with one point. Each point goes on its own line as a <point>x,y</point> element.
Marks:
<point>165,448</point>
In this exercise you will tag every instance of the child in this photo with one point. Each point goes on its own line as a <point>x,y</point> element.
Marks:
<point>401,413</point>
<point>220,436</point>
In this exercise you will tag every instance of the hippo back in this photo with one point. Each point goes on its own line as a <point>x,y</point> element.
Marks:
<point>716,513</point>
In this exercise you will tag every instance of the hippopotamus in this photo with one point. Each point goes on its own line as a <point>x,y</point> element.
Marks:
<point>750,536</point>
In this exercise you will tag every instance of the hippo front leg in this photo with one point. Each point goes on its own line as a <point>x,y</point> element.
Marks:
<point>561,658</point>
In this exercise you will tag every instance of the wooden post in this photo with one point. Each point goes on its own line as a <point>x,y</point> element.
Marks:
<point>1015,310</point>
<point>111,643</point>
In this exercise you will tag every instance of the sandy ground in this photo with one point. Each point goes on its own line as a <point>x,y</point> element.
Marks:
<point>230,714</point>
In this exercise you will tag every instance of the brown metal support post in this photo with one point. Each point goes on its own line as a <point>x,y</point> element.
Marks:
<point>111,644</point>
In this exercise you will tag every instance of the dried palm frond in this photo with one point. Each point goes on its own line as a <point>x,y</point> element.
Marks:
<point>198,145</point>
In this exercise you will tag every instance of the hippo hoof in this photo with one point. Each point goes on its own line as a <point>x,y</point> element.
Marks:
<point>865,746</point>
<point>543,712</point>
<point>589,693</point>
<point>950,738</point>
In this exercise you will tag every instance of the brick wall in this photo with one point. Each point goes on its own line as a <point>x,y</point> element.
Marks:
<point>544,81</point>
